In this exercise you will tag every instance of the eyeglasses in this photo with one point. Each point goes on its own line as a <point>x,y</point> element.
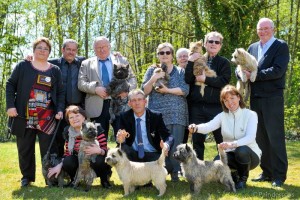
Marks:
<point>41,48</point>
<point>212,41</point>
<point>164,52</point>
<point>183,56</point>
<point>264,29</point>
<point>103,47</point>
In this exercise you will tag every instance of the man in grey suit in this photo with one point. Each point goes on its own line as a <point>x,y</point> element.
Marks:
<point>94,75</point>
<point>267,101</point>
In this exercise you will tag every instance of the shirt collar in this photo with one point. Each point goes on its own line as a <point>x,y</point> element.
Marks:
<point>143,117</point>
<point>269,43</point>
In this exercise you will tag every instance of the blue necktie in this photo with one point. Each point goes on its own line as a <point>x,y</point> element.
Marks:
<point>141,152</point>
<point>105,76</point>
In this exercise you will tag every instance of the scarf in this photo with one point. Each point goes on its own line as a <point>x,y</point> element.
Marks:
<point>72,135</point>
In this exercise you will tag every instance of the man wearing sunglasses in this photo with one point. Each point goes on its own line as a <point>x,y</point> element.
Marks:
<point>204,108</point>
<point>267,100</point>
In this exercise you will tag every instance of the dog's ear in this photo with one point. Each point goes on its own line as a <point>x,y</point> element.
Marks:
<point>120,152</point>
<point>187,147</point>
<point>127,66</point>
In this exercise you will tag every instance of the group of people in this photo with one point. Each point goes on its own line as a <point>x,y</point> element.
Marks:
<point>40,91</point>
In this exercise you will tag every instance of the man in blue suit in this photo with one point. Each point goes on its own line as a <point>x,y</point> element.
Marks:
<point>267,100</point>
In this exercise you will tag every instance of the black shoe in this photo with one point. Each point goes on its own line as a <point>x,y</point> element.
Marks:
<point>235,177</point>
<point>277,183</point>
<point>174,177</point>
<point>106,184</point>
<point>240,185</point>
<point>261,178</point>
<point>25,182</point>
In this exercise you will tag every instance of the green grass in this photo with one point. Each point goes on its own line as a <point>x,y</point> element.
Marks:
<point>10,182</point>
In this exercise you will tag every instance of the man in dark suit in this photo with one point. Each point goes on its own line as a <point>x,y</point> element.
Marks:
<point>69,65</point>
<point>153,131</point>
<point>267,101</point>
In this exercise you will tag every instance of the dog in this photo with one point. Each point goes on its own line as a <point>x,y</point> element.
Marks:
<point>118,85</point>
<point>49,161</point>
<point>198,172</point>
<point>244,61</point>
<point>85,172</point>
<point>161,81</point>
<point>137,173</point>
<point>200,65</point>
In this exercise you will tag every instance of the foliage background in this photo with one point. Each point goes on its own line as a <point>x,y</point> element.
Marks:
<point>136,27</point>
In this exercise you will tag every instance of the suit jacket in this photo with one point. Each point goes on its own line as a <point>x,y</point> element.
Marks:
<point>89,78</point>
<point>155,126</point>
<point>270,79</point>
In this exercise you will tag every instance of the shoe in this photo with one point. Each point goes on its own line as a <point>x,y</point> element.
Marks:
<point>277,183</point>
<point>261,178</point>
<point>235,177</point>
<point>25,182</point>
<point>240,185</point>
<point>106,185</point>
<point>174,177</point>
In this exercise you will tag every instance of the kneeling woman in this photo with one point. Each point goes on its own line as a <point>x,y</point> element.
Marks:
<point>238,127</point>
<point>75,115</point>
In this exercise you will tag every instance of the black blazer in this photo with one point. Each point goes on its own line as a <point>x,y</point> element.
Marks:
<point>156,129</point>
<point>270,79</point>
<point>58,61</point>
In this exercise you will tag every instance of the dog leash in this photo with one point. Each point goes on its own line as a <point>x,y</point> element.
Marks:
<point>53,138</point>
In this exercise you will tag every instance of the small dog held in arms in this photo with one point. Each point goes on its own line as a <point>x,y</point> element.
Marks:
<point>244,61</point>
<point>200,65</point>
<point>198,172</point>
<point>134,174</point>
<point>49,161</point>
<point>85,172</point>
<point>161,81</point>
<point>118,85</point>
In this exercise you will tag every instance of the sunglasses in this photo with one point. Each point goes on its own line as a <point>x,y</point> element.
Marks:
<point>164,52</point>
<point>212,41</point>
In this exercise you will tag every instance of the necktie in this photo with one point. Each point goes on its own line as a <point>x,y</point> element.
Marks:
<point>141,152</point>
<point>69,84</point>
<point>105,76</point>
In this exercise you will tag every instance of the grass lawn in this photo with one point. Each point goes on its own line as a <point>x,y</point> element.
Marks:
<point>10,182</point>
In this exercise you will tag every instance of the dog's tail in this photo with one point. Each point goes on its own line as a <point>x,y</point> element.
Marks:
<point>223,156</point>
<point>161,159</point>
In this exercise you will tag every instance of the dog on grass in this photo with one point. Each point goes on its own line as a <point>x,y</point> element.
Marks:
<point>84,172</point>
<point>134,174</point>
<point>161,81</point>
<point>49,161</point>
<point>244,61</point>
<point>200,65</point>
<point>198,172</point>
<point>118,85</point>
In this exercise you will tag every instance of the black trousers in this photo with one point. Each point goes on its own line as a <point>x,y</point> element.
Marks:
<point>270,136</point>
<point>102,170</point>
<point>149,156</point>
<point>103,119</point>
<point>202,113</point>
<point>26,151</point>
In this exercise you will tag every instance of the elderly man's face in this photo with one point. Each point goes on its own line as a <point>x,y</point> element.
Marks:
<point>182,59</point>
<point>102,49</point>
<point>265,31</point>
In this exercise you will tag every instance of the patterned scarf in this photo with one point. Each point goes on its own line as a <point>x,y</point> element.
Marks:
<point>72,136</point>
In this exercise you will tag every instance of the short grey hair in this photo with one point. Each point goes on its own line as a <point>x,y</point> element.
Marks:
<point>213,34</point>
<point>182,50</point>
<point>67,41</point>
<point>136,92</point>
<point>264,19</point>
<point>100,38</point>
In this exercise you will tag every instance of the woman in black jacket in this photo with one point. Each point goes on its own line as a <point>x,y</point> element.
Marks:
<point>34,99</point>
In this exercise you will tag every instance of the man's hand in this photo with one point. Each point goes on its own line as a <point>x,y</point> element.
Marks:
<point>59,115</point>
<point>101,92</point>
<point>122,135</point>
<point>194,56</point>
<point>164,146</point>
<point>12,112</point>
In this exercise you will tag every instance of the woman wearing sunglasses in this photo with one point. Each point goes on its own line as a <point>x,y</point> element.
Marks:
<point>170,99</point>
<point>204,108</point>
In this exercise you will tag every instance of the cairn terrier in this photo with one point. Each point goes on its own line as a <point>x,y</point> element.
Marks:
<point>85,172</point>
<point>161,81</point>
<point>118,85</point>
<point>198,172</point>
<point>200,65</point>
<point>49,161</point>
<point>138,173</point>
<point>244,61</point>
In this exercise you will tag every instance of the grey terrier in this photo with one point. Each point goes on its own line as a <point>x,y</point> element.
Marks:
<point>198,172</point>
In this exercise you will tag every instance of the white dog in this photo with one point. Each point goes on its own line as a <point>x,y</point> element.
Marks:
<point>138,173</point>
<point>244,61</point>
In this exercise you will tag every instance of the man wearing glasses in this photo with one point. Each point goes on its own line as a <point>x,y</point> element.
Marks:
<point>204,108</point>
<point>267,100</point>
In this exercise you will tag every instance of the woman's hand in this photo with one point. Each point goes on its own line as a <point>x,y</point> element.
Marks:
<point>54,170</point>
<point>12,112</point>
<point>159,75</point>
<point>94,149</point>
<point>163,90</point>
<point>227,145</point>
<point>192,128</point>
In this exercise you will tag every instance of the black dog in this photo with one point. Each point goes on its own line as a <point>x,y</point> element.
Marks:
<point>118,85</point>
<point>49,161</point>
